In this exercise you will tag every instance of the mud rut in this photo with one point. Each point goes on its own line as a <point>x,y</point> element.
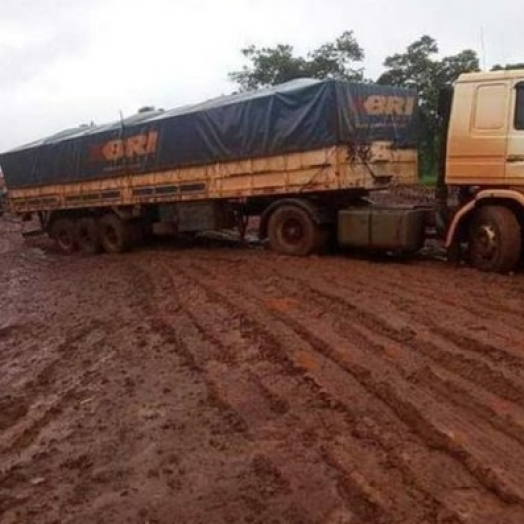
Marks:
<point>230,385</point>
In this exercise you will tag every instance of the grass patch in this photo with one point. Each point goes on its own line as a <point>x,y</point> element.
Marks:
<point>428,180</point>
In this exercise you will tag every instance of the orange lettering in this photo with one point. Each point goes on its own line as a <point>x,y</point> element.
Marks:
<point>375,105</point>
<point>395,105</point>
<point>389,105</point>
<point>410,105</point>
<point>136,145</point>
<point>113,150</point>
<point>152,142</point>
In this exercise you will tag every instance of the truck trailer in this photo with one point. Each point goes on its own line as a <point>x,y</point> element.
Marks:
<point>304,157</point>
<point>293,154</point>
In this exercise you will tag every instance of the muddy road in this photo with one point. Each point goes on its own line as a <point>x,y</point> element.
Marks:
<point>224,385</point>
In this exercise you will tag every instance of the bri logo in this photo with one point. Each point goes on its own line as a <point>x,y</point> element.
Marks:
<point>134,146</point>
<point>379,105</point>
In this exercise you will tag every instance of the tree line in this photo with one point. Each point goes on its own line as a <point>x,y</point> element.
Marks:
<point>418,67</point>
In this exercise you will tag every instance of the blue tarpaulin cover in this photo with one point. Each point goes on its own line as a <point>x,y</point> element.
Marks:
<point>296,116</point>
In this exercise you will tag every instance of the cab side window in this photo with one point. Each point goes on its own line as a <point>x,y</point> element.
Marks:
<point>519,107</point>
<point>491,104</point>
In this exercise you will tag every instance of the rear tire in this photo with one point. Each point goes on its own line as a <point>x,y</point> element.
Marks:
<point>63,232</point>
<point>88,236</point>
<point>116,235</point>
<point>495,239</point>
<point>292,231</point>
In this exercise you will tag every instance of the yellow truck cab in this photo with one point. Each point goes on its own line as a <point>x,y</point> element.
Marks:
<point>484,159</point>
<point>486,130</point>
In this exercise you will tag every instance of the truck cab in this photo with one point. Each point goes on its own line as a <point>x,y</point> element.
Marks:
<point>484,161</point>
<point>486,130</point>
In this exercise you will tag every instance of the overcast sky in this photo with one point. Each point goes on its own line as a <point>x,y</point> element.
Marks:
<point>68,62</point>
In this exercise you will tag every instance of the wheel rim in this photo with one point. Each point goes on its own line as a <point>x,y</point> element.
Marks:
<point>292,231</point>
<point>64,239</point>
<point>485,243</point>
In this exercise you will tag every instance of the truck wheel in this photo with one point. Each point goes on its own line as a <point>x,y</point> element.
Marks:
<point>88,236</point>
<point>63,232</point>
<point>495,239</point>
<point>116,235</point>
<point>292,231</point>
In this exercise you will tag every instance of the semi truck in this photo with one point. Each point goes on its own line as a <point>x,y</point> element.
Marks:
<point>304,157</point>
<point>293,155</point>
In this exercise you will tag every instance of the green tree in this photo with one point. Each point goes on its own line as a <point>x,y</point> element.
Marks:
<point>275,65</point>
<point>420,68</point>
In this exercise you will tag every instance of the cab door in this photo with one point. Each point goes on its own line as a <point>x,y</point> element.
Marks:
<point>515,147</point>
<point>477,138</point>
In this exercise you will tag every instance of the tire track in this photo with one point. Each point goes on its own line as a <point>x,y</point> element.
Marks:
<point>502,342</point>
<point>55,388</point>
<point>360,492</point>
<point>413,409</point>
<point>404,350</point>
<point>417,367</point>
<point>242,386</point>
<point>201,278</point>
<point>249,376</point>
<point>241,401</point>
<point>479,363</point>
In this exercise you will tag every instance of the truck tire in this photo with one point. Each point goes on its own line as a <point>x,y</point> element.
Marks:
<point>116,235</point>
<point>292,231</point>
<point>63,232</point>
<point>88,236</point>
<point>495,239</point>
